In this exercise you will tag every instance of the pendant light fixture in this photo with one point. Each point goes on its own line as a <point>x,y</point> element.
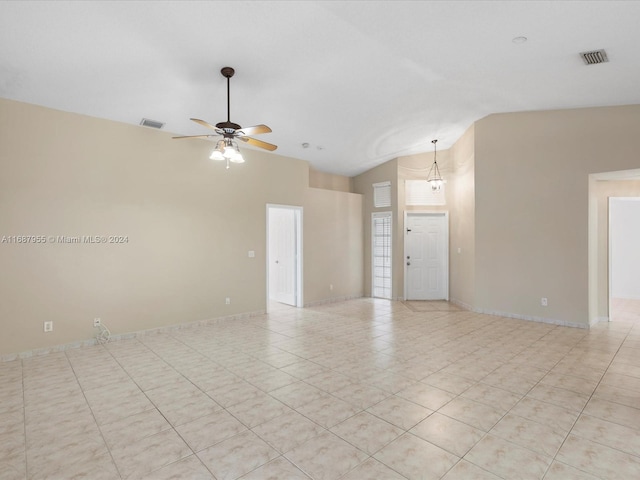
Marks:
<point>227,149</point>
<point>434,177</point>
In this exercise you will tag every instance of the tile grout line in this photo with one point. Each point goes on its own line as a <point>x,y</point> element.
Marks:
<point>487,433</point>
<point>583,408</point>
<point>585,405</point>
<point>24,419</point>
<point>92,413</point>
<point>459,346</point>
<point>172,426</point>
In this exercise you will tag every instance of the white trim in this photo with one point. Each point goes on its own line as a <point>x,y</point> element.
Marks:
<point>333,300</point>
<point>526,318</point>
<point>609,258</point>
<point>462,304</point>
<point>445,214</point>
<point>299,254</point>
<point>9,357</point>
<point>531,318</point>
<point>601,320</point>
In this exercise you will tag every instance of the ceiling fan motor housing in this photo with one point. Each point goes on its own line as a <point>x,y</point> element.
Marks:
<point>228,127</point>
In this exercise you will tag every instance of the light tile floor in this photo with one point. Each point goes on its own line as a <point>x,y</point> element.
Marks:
<point>364,389</point>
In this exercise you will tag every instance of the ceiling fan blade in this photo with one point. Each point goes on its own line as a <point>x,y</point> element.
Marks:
<point>204,124</point>
<point>258,143</point>
<point>195,136</point>
<point>255,130</point>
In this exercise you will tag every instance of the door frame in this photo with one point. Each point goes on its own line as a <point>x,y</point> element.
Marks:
<point>298,211</point>
<point>433,213</point>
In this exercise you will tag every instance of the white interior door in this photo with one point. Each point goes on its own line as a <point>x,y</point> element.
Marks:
<point>283,255</point>
<point>426,255</point>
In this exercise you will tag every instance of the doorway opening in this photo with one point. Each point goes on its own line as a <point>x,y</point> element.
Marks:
<point>426,250</point>
<point>624,257</point>
<point>284,255</point>
<point>602,187</point>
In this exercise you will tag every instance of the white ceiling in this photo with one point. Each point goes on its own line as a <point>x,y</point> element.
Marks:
<point>361,82</point>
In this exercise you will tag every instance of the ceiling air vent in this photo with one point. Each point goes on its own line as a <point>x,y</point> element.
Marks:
<point>594,57</point>
<point>145,122</point>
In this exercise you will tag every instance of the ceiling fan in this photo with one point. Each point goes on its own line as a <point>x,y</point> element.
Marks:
<point>226,148</point>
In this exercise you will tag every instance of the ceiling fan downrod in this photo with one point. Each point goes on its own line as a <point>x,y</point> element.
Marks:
<point>229,127</point>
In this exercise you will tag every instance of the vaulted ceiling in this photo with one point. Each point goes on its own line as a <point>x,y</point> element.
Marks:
<point>359,82</point>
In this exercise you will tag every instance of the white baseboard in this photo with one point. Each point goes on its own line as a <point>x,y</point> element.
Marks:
<point>528,318</point>
<point>332,300</point>
<point>124,336</point>
<point>598,320</point>
<point>532,318</point>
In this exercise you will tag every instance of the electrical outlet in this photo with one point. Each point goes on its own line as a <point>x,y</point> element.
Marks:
<point>48,326</point>
<point>96,322</point>
<point>544,302</point>
<point>331,286</point>
<point>227,300</point>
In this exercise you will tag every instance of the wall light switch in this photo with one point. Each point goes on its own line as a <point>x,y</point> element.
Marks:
<point>252,254</point>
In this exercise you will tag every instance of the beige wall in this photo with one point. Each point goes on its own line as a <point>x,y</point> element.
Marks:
<point>332,258</point>
<point>532,206</point>
<point>329,181</point>
<point>461,199</point>
<point>523,210</point>
<point>189,225</point>
<point>518,194</point>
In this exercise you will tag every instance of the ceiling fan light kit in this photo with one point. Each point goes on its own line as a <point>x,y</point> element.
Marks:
<point>226,148</point>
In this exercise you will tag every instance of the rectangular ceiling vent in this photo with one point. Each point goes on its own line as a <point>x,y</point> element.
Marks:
<point>145,122</point>
<point>594,57</point>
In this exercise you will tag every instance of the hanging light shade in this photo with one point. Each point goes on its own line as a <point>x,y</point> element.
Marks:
<point>434,177</point>
<point>235,155</point>
<point>227,149</point>
<point>218,152</point>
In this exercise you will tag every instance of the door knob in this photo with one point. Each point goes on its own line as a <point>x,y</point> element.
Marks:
<point>408,263</point>
<point>277,261</point>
